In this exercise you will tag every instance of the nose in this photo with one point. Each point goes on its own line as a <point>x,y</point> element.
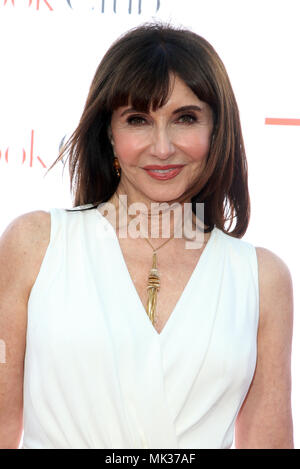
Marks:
<point>162,145</point>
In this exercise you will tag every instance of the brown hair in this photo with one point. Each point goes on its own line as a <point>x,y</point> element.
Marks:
<point>138,67</point>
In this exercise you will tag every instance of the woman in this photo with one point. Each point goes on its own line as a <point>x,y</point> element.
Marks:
<point>142,340</point>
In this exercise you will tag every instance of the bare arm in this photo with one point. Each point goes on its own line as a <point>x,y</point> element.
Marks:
<point>265,419</point>
<point>21,250</point>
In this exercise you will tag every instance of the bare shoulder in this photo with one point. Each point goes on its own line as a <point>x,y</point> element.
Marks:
<point>270,263</point>
<point>275,285</point>
<point>29,223</point>
<point>24,242</point>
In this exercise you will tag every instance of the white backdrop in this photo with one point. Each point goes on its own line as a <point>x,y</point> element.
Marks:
<point>49,51</point>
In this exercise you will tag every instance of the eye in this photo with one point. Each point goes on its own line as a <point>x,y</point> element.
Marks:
<point>136,120</point>
<point>187,119</point>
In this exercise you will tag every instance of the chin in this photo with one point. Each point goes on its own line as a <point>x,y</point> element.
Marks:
<point>166,196</point>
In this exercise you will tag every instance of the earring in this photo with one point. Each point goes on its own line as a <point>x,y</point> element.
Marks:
<point>117,166</point>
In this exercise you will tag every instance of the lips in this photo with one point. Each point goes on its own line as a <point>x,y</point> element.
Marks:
<point>163,172</point>
<point>169,166</point>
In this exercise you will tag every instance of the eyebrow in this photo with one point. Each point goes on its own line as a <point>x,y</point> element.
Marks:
<point>191,107</point>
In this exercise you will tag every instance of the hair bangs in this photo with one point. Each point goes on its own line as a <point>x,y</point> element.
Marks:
<point>145,83</point>
<point>192,68</point>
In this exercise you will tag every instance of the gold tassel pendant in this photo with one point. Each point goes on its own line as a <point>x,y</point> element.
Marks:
<point>153,287</point>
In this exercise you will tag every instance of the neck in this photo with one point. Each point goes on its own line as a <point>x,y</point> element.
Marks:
<point>153,219</point>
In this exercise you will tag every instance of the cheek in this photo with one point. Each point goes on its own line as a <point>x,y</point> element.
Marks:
<point>196,146</point>
<point>128,147</point>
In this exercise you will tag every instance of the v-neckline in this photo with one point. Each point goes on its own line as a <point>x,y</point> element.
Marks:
<point>188,285</point>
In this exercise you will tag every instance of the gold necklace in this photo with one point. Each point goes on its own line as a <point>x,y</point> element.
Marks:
<point>153,284</point>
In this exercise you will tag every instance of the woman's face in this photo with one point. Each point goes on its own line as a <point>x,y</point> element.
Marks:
<point>176,135</point>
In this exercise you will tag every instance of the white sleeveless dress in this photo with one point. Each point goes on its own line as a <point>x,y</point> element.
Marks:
<point>97,373</point>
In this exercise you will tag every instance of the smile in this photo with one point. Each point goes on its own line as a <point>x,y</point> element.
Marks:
<point>164,174</point>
